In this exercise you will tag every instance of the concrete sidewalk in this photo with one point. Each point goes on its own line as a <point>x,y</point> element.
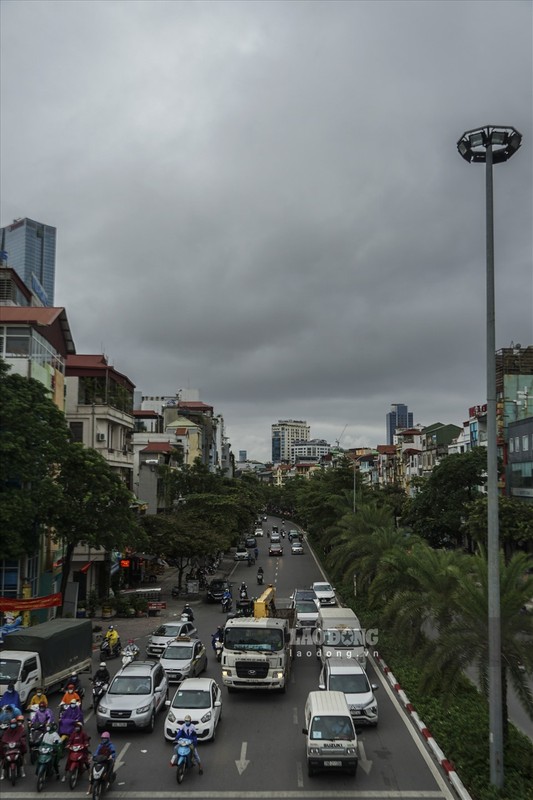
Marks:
<point>137,627</point>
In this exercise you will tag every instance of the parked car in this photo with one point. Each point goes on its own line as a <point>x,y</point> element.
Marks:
<point>275,549</point>
<point>165,633</point>
<point>201,699</point>
<point>325,593</point>
<point>216,589</point>
<point>241,553</point>
<point>297,549</point>
<point>135,695</point>
<point>183,658</point>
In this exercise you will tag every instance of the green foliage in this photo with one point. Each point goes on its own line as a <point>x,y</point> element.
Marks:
<point>515,520</point>
<point>437,513</point>
<point>33,439</point>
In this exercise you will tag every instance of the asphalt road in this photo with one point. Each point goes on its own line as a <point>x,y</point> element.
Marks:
<point>259,750</point>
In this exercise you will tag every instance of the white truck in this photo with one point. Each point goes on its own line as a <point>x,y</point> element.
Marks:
<point>257,651</point>
<point>339,635</point>
<point>45,655</point>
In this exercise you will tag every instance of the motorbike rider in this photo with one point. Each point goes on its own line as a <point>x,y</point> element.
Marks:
<point>15,733</point>
<point>243,591</point>
<point>38,698</point>
<point>51,737</point>
<point>7,714</point>
<point>105,748</point>
<point>217,639</point>
<point>42,717</point>
<point>80,738</point>
<point>69,717</point>
<point>256,553</point>
<point>187,612</point>
<point>188,731</point>
<point>74,679</point>
<point>112,637</point>
<point>260,575</point>
<point>132,647</point>
<point>102,673</point>
<point>10,697</point>
<point>70,695</point>
<point>226,600</point>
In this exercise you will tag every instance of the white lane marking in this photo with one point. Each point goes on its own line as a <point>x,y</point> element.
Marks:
<point>242,763</point>
<point>119,761</point>
<point>299,774</point>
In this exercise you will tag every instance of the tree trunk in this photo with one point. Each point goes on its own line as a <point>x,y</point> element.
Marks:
<point>67,560</point>
<point>505,719</point>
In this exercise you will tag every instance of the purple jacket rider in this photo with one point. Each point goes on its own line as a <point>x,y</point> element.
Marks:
<point>70,715</point>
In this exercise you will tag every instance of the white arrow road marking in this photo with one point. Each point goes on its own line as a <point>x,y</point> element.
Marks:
<point>242,763</point>
<point>119,761</point>
<point>295,715</point>
<point>366,765</point>
<point>299,774</point>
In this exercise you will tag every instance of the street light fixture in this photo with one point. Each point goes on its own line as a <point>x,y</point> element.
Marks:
<point>493,144</point>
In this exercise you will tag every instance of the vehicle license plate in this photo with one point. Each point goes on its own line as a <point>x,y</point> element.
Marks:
<point>332,763</point>
<point>120,724</point>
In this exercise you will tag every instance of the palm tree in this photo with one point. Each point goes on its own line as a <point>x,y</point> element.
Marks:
<point>463,641</point>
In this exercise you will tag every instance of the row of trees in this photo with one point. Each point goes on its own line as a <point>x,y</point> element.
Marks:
<point>421,573</point>
<point>52,486</point>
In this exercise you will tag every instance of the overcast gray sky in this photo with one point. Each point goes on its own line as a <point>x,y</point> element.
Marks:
<point>264,200</point>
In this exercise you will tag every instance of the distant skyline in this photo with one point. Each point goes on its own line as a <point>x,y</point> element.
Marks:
<point>265,200</point>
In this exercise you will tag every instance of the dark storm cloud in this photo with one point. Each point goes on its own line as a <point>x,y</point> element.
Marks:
<point>264,200</point>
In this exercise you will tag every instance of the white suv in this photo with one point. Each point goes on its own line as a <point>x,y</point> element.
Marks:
<point>325,593</point>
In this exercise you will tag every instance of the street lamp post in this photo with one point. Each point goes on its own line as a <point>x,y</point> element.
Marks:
<point>490,145</point>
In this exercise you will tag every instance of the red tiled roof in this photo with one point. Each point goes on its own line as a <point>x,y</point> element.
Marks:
<point>158,447</point>
<point>87,365</point>
<point>85,360</point>
<point>193,404</point>
<point>55,319</point>
<point>386,449</point>
<point>147,413</point>
<point>411,451</point>
<point>181,431</point>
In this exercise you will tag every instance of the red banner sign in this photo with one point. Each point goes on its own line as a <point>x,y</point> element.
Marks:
<point>14,604</point>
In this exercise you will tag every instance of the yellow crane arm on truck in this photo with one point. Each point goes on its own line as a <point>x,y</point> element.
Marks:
<point>265,605</point>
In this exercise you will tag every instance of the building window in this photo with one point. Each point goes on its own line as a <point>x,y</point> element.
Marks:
<point>517,444</point>
<point>76,431</point>
<point>9,577</point>
<point>511,445</point>
<point>525,443</point>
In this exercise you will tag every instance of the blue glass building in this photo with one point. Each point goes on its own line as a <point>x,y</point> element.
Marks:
<point>31,251</point>
<point>398,417</point>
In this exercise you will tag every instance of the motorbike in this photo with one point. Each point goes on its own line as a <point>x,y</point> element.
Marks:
<point>182,758</point>
<point>77,761</point>
<point>35,735</point>
<point>106,651</point>
<point>217,647</point>
<point>45,764</point>
<point>99,689</point>
<point>129,654</point>
<point>12,761</point>
<point>260,579</point>
<point>226,604</point>
<point>99,774</point>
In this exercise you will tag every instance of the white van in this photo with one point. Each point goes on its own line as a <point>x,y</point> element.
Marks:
<point>339,635</point>
<point>331,741</point>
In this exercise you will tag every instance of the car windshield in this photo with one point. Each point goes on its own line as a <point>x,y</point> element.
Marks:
<point>322,587</point>
<point>253,639</point>
<point>332,727</point>
<point>192,698</point>
<point>306,607</point>
<point>9,670</point>
<point>168,630</point>
<point>181,652</point>
<point>349,684</point>
<point>130,684</point>
<point>218,585</point>
<point>344,637</point>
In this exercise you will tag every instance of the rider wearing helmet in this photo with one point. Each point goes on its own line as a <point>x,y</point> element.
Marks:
<point>112,637</point>
<point>188,731</point>
<point>42,717</point>
<point>187,612</point>
<point>105,748</point>
<point>15,733</point>
<point>38,698</point>
<point>102,673</point>
<point>79,738</point>
<point>10,697</point>
<point>70,695</point>
<point>52,737</point>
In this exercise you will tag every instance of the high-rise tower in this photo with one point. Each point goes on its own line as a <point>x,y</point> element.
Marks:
<point>31,251</point>
<point>398,417</point>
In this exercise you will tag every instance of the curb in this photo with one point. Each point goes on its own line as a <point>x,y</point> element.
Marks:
<point>445,763</point>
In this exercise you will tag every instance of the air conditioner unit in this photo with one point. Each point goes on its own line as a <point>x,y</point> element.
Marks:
<point>100,437</point>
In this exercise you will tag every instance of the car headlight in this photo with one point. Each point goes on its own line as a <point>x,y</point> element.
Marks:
<point>278,675</point>
<point>171,717</point>
<point>350,751</point>
<point>142,709</point>
<point>373,709</point>
<point>206,717</point>
<point>226,673</point>
<point>314,751</point>
<point>102,710</point>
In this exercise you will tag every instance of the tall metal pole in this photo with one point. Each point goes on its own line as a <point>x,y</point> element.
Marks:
<point>493,544</point>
